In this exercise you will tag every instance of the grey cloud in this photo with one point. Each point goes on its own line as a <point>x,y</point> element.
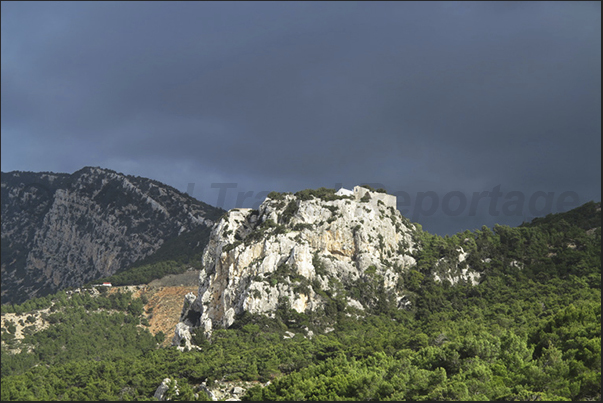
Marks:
<point>437,96</point>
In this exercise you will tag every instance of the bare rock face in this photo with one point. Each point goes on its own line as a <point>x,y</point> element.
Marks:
<point>164,387</point>
<point>296,246</point>
<point>63,230</point>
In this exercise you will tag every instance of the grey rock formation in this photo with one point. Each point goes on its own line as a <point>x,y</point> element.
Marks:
<point>454,271</point>
<point>63,230</point>
<point>292,248</point>
<point>162,389</point>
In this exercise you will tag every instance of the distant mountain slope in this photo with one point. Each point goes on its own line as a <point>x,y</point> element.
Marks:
<point>63,230</point>
<point>175,256</point>
<point>586,217</point>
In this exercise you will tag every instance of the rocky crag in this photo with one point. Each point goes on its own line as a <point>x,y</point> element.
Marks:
<point>300,250</point>
<point>63,230</point>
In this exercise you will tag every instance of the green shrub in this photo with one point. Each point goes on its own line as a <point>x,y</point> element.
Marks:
<point>302,226</point>
<point>276,196</point>
<point>231,246</point>
<point>289,211</point>
<point>320,193</point>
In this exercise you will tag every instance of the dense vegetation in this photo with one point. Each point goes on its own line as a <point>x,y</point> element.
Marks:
<point>530,330</point>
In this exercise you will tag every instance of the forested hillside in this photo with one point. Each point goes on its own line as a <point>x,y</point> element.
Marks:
<point>530,330</point>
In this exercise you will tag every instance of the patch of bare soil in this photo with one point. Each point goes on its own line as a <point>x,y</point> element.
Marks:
<point>164,308</point>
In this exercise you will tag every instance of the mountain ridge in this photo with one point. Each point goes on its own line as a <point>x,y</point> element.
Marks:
<point>63,230</point>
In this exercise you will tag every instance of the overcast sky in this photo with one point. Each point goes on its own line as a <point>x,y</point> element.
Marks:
<point>439,102</point>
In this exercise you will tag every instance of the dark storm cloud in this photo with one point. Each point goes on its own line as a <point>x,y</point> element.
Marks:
<point>439,97</point>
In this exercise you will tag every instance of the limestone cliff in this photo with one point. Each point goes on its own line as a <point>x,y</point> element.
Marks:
<point>62,230</point>
<point>293,249</point>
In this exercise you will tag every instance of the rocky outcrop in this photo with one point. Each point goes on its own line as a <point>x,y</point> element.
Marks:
<point>63,230</point>
<point>164,388</point>
<point>455,270</point>
<point>292,249</point>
